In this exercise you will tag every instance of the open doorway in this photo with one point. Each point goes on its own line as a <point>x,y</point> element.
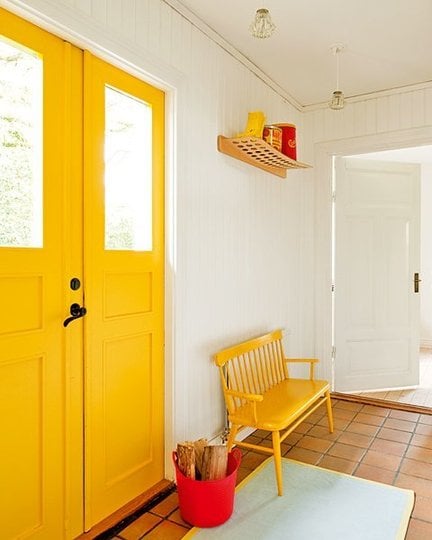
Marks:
<point>383,342</point>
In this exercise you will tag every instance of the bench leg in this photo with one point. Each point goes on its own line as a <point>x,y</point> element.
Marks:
<point>277,460</point>
<point>329,411</point>
<point>232,435</point>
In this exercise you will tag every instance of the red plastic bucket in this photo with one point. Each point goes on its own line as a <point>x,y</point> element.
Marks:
<point>207,503</point>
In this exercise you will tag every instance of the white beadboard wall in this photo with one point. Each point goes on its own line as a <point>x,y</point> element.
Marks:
<point>241,238</point>
<point>394,111</point>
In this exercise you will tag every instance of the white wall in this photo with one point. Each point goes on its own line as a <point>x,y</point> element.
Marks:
<point>243,256</point>
<point>426,257</point>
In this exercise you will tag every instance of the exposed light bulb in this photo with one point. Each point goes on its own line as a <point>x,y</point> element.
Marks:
<point>337,101</point>
<point>262,26</point>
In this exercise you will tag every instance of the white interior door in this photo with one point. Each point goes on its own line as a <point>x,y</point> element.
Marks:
<point>377,252</point>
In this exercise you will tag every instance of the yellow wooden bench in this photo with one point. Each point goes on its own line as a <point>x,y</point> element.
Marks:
<point>259,393</point>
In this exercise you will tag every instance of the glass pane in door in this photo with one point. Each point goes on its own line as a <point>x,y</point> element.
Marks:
<point>128,168</point>
<point>20,146</point>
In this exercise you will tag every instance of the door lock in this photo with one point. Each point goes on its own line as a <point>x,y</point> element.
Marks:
<point>76,312</point>
<point>75,284</point>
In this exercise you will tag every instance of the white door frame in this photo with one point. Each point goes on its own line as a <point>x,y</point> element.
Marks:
<point>324,153</point>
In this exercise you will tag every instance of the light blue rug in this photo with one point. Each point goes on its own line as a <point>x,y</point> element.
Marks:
<point>317,504</point>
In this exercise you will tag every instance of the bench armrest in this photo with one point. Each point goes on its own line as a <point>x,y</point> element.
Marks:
<point>311,361</point>
<point>253,398</point>
<point>244,395</point>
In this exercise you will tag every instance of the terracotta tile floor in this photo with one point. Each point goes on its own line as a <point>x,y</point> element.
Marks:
<point>389,446</point>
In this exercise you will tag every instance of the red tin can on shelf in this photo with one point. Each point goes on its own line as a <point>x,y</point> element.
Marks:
<point>289,145</point>
<point>273,136</point>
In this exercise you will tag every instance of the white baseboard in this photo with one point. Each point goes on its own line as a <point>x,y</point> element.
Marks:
<point>241,436</point>
<point>245,433</point>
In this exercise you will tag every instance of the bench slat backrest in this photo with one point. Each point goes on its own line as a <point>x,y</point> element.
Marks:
<point>252,367</point>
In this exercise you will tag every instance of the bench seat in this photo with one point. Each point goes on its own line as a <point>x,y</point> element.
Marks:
<point>281,405</point>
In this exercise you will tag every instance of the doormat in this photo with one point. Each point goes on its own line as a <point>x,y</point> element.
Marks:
<point>317,503</point>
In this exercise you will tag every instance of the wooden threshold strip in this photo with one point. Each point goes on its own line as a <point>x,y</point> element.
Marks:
<point>408,407</point>
<point>127,510</point>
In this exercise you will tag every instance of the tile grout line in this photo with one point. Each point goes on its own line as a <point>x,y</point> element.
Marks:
<point>399,472</point>
<point>406,451</point>
<point>374,437</point>
<point>339,436</point>
<point>396,472</point>
<point>370,444</point>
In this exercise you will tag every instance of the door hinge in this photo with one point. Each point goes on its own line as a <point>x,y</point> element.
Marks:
<point>416,282</point>
<point>333,196</point>
<point>333,353</point>
<point>332,287</point>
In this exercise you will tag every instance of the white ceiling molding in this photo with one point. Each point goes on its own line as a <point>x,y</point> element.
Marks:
<point>373,95</point>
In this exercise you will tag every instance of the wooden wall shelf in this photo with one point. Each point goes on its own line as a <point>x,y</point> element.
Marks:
<point>258,153</point>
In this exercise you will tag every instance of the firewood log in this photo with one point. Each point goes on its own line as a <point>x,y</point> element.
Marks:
<point>199,446</point>
<point>214,463</point>
<point>186,459</point>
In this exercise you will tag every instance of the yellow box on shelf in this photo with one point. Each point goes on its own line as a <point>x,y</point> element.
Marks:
<point>255,125</point>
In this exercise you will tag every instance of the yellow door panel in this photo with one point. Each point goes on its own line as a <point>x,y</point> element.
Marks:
<point>127,293</point>
<point>34,391</point>
<point>124,258</point>
<point>21,318</point>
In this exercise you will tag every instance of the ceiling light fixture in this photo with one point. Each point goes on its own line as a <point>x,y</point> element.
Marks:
<point>262,26</point>
<point>337,101</point>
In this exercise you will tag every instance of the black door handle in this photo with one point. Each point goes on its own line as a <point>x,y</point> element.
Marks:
<point>77,312</point>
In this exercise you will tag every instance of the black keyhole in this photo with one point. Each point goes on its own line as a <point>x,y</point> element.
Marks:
<point>75,284</point>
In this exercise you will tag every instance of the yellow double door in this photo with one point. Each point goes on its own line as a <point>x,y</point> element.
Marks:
<point>81,285</point>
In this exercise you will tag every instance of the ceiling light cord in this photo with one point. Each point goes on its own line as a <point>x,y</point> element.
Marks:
<point>337,69</point>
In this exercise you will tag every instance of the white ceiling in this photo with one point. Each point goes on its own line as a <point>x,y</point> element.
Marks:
<point>388,42</point>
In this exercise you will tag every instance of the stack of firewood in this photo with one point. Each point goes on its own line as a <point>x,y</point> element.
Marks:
<point>200,461</point>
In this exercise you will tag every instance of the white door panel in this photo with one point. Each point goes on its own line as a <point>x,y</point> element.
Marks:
<point>377,238</point>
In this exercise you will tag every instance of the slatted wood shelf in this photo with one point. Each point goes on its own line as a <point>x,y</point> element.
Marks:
<point>258,153</point>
